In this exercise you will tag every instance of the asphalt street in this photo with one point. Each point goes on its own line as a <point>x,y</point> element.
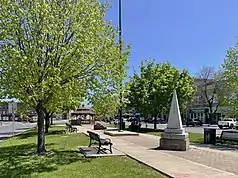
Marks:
<point>7,129</point>
<point>188,129</point>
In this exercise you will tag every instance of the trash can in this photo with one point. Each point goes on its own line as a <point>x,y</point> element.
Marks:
<point>209,136</point>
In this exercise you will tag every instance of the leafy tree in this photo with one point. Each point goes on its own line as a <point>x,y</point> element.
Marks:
<point>52,49</point>
<point>151,91</point>
<point>63,100</point>
<point>230,72</point>
<point>105,105</point>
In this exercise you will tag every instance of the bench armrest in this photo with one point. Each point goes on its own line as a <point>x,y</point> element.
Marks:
<point>108,140</point>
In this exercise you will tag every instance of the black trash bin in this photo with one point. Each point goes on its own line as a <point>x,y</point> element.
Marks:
<point>123,125</point>
<point>209,136</point>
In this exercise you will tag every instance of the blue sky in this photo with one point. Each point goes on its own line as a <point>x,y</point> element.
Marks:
<point>189,33</point>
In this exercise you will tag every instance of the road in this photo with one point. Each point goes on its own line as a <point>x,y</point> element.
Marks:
<point>6,129</point>
<point>188,129</point>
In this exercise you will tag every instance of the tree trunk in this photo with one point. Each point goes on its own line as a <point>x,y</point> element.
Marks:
<point>47,122</point>
<point>155,123</point>
<point>41,135</point>
<point>211,114</point>
<point>51,120</point>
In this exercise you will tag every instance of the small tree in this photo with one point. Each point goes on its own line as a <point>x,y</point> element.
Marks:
<point>230,72</point>
<point>211,89</point>
<point>56,46</point>
<point>151,92</point>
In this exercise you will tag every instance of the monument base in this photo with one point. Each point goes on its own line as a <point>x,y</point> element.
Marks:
<point>177,142</point>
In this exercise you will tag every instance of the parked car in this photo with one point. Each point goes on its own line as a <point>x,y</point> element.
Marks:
<point>236,125</point>
<point>161,121</point>
<point>130,119</point>
<point>228,123</point>
<point>194,122</point>
<point>149,120</point>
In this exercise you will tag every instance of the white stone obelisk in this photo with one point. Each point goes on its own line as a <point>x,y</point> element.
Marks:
<point>174,136</point>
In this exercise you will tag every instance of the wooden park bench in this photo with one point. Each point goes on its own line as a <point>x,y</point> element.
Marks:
<point>100,141</point>
<point>229,135</point>
<point>70,128</point>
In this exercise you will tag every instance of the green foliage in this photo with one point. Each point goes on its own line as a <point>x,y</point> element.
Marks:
<point>105,105</point>
<point>230,72</point>
<point>54,52</point>
<point>151,91</point>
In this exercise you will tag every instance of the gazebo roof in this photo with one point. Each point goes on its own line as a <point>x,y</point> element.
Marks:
<point>83,110</point>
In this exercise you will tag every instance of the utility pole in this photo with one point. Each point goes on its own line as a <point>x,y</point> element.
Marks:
<point>120,46</point>
<point>11,110</point>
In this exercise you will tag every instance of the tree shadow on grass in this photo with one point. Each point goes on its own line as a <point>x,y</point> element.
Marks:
<point>55,132</point>
<point>3,138</point>
<point>27,134</point>
<point>33,132</point>
<point>14,161</point>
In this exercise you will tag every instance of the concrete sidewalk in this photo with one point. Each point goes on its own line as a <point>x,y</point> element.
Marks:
<point>141,149</point>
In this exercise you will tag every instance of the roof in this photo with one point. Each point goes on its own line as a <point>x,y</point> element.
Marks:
<point>83,110</point>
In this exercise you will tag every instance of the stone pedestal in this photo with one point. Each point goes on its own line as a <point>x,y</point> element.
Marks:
<point>174,141</point>
<point>174,136</point>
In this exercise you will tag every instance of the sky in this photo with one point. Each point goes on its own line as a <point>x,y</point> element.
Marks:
<point>188,33</point>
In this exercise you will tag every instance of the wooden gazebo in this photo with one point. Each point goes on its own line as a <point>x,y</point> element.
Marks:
<point>82,115</point>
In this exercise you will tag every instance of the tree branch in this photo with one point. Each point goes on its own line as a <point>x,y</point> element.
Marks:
<point>216,108</point>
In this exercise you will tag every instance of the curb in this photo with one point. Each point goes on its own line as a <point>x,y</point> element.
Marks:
<point>141,162</point>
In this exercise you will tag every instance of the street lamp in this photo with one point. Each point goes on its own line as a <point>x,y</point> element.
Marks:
<point>12,106</point>
<point>120,46</point>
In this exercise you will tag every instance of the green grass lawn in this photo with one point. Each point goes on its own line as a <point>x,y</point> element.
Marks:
<point>193,137</point>
<point>66,160</point>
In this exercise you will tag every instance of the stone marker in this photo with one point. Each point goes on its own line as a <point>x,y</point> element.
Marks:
<point>174,136</point>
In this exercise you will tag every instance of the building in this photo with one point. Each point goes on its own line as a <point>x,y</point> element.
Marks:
<point>6,111</point>
<point>201,109</point>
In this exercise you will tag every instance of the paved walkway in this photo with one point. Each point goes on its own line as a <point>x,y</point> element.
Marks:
<point>199,161</point>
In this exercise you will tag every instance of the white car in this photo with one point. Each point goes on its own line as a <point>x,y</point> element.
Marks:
<point>236,126</point>
<point>229,123</point>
